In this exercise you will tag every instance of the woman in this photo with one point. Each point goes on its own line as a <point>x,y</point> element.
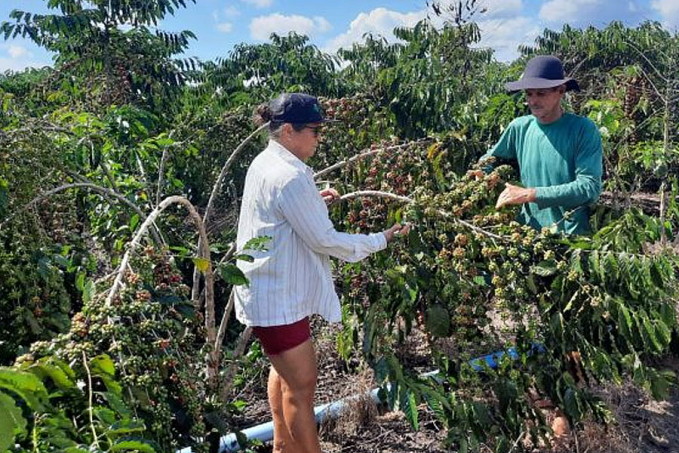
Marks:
<point>291,280</point>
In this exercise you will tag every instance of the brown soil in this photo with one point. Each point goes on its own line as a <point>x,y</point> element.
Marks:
<point>643,425</point>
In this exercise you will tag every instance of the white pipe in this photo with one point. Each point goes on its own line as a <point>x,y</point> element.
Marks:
<point>264,432</point>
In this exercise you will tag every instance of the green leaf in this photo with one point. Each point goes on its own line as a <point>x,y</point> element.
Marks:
<point>134,221</point>
<point>232,275</point>
<point>244,257</point>
<point>127,427</point>
<point>530,283</point>
<point>408,404</point>
<point>649,332</point>
<point>88,291</point>
<point>103,367</point>
<point>464,446</point>
<point>572,404</point>
<point>116,403</point>
<point>102,364</point>
<point>58,371</point>
<point>105,415</point>
<point>258,243</point>
<point>26,385</point>
<point>242,439</point>
<point>437,321</point>
<point>201,264</point>
<point>164,141</point>
<point>544,269</point>
<point>626,322</point>
<point>12,423</point>
<point>80,282</point>
<point>139,445</point>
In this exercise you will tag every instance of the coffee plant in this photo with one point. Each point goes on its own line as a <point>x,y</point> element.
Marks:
<point>152,333</point>
<point>578,310</point>
<point>47,404</point>
<point>114,334</point>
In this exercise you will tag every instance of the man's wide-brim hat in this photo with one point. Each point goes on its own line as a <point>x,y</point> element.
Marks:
<point>543,71</point>
<point>297,108</point>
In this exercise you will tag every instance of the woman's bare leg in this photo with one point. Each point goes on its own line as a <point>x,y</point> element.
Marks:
<point>297,372</point>
<point>282,441</point>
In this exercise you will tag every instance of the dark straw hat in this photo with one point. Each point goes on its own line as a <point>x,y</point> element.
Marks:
<point>543,71</point>
<point>296,108</point>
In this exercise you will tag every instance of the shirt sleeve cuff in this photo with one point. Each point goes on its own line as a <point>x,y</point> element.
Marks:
<point>378,241</point>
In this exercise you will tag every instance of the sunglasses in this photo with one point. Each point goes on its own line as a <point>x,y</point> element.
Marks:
<point>315,129</point>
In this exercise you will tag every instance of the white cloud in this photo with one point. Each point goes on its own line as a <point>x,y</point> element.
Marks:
<point>591,12</point>
<point>669,10</point>
<point>505,35</point>
<point>567,10</point>
<point>259,3</point>
<point>224,27</point>
<point>15,51</point>
<point>261,27</point>
<point>231,11</point>
<point>379,21</point>
<point>12,64</point>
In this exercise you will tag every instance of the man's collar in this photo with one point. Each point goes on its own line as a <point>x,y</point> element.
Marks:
<point>287,156</point>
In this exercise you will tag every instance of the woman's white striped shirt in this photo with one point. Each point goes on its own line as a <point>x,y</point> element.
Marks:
<point>291,279</point>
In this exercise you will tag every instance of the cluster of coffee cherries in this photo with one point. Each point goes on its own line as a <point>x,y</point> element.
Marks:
<point>153,335</point>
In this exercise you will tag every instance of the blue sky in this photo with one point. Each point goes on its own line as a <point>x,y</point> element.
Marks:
<point>219,24</point>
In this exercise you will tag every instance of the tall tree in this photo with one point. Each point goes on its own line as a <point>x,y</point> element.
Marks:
<point>287,63</point>
<point>109,47</point>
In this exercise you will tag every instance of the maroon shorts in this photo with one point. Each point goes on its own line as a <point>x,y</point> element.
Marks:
<point>277,339</point>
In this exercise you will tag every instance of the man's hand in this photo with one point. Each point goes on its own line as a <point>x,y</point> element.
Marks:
<point>515,195</point>
<point>395,231</point>
<point>330,195</point>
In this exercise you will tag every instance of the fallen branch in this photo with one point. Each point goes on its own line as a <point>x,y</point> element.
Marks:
<point>391,196</point>
<point>225,322</point>
<point>195,288</point>
<point>373,193</point>
<point>229,306</point>
<point>203,252</point>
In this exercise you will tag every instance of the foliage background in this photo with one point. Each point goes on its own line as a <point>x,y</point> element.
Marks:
<point>121,122</point>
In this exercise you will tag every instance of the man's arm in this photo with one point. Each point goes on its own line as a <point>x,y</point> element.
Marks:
<point>505,148</point>
<point>586,187</point>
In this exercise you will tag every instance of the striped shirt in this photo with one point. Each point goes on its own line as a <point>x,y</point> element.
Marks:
<point>291,279</point>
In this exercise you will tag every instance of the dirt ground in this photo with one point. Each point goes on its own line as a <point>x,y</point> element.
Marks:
<point>643,425</point>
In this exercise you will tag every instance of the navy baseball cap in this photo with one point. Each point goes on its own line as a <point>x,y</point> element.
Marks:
<point>296,108</point>
<point>543,71</point>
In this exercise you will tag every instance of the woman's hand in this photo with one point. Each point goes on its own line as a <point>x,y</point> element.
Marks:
<point>329,195</point>
<point>515,195</point>
<point>396,230</point>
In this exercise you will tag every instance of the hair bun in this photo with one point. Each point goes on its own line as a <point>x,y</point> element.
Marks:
<point>262,114</point>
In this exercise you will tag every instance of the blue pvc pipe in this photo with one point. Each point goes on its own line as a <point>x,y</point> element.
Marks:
<point>329,411</point>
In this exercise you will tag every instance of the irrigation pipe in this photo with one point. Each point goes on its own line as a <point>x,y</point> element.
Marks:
<point>330,411</point>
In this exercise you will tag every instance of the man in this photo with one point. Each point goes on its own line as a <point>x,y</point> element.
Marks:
<point>559,153</point>
<point>559,156</point>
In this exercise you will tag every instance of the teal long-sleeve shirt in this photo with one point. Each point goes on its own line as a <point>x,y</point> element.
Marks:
<point>562,161</point>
